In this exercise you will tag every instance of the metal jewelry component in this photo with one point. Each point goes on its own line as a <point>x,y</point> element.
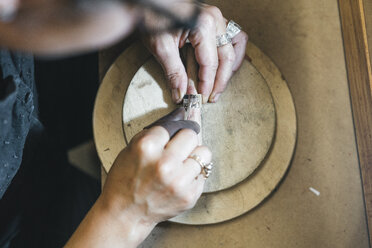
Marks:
<point>232,29</point>
<point>222,40</point>
<point>191,103</point>
<point>206,169</point>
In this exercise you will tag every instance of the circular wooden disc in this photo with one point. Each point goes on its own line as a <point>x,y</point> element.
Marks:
<point>239,129</point>
<point>211,207</point>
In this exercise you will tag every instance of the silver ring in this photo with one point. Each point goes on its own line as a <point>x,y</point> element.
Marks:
<point>205,169</point>
<point>232,29</point>
<point>222,40</point>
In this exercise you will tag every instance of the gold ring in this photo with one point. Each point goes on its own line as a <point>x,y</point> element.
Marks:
<point>205,168</point>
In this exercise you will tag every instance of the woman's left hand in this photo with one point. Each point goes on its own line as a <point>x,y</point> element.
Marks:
<point>216,64</point>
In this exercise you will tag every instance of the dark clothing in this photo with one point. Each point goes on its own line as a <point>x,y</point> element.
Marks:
<point>42,197</point>
<point>17,112</point>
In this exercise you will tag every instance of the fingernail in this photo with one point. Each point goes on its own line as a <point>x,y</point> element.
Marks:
<point>205,99</point>
<point>215,97</point>
<point>176,93</point>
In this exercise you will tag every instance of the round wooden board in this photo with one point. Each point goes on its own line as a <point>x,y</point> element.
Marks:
<point>239,129</point>
<point>212,207</point>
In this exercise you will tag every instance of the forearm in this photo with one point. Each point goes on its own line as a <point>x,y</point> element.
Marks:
<point>105,227</point>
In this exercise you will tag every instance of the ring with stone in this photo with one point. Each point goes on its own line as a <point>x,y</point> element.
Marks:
<point>208,169</point>
<point>205,168</point>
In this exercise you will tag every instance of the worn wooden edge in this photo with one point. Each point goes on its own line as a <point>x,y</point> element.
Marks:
<point>360,85</point>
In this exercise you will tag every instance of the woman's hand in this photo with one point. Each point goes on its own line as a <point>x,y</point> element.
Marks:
<point>154,175</point>
<point>151,180</point>
<point>216,65</point>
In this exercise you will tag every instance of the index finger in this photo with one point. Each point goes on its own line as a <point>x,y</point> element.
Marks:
<point>203,39</point>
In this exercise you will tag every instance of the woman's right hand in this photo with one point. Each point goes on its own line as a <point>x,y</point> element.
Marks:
<point>151,180</point>
<point>154,177</point>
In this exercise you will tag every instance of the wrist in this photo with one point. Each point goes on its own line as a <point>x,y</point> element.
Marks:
<point>132,224</point>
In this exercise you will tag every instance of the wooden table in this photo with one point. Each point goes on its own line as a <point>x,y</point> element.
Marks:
<point>304,38</point>
<point>356,19</point>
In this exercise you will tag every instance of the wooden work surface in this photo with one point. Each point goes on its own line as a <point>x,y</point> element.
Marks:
<point>368,18</point>
<point>304,39</point>
<point>356,27</point>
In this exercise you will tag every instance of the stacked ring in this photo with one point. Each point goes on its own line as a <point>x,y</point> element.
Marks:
<point>232,30</point>
<point>222,40</point>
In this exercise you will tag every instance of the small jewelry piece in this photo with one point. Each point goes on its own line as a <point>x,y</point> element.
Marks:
<point>232,29</point>
<point>192,103</point>
<point>222,40</point>
<point>206,169</point>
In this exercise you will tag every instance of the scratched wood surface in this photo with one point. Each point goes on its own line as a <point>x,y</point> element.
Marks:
<point>356,19</point>
<point>239,129</point>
